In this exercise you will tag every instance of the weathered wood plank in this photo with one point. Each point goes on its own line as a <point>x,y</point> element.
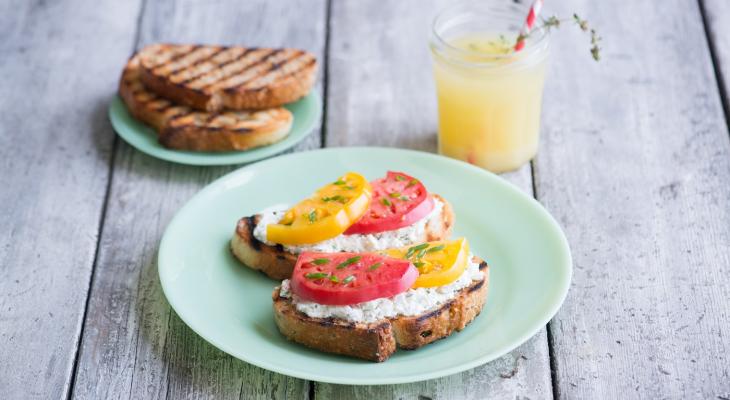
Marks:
<point>635,164</point>
<point>381,93</point>
<point>134,346</point>
<point>55,144</point>
<point>717,19</point>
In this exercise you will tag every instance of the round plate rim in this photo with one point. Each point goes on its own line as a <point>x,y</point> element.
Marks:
<point>563,288</point>
<point>213,159</point>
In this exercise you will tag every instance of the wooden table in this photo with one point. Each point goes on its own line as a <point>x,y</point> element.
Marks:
<point>634,163</point>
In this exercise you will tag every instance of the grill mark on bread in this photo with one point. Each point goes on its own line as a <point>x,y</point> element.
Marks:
<point>242,130</point>
<point>176,53</point>
<point>202,76</point>
<point>251,64</point>
<point>180,114</point>
<point>269,72</point>
<point>211,118</point>
<point>435,312</point>
<point>238,57</point>
<point>225,84</point>
<point>477,286</point>
<point>215,66</point>
<point>167,67</point>
<point>379,327</point>
<point>179,56</point>
<point>196,61</point>
<point>251,223</point>
<point>308,64</point>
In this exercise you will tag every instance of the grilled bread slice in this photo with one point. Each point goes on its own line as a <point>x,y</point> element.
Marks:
<point>277,263</point>
<point>180,127</point>
<point>379,340</point>
<point>212,78</point>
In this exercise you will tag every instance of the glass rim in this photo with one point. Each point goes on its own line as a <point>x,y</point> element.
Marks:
<point>539,36</point>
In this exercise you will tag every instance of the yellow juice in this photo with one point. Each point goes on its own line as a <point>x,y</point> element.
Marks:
<point>489,102</point>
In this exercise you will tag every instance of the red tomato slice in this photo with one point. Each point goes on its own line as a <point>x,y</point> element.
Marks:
<point>398,200</point>
<point>350,278</point>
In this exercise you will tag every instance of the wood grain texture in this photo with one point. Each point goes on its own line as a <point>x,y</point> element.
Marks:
<point>635,165</point>
<point>134,345</point>
<point>717,20</point>
<point>379,70</point>
<point>55,150</point>
<point>381,93</point>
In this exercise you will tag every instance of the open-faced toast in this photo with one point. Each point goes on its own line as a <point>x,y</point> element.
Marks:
<point>278,263</point>
<point>181,127</point>
<point>378,340</point>
<point>212,78</point>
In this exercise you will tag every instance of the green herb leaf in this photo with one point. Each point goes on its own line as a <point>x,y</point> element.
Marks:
<point>339,182</point>
<point>386,202</point>
<point>316,275</point>
<point>337,198</point>
<point>413,182</point>
<point>348,279</point>
<point>334,279</point>
<point>375,266</point>
<point>436,248</point>
<point>414,249</point>
<point>394,195</point>
<point>349,261</point>
<point>320,261</point>
<point>404,198</point>
<point>348,187</point>
<point>421,253</point>
<point>419,264</point>
<point>400,178</point>
<point>312,216</point>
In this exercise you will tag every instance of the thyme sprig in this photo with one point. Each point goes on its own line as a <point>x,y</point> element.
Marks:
<point>554,22</point>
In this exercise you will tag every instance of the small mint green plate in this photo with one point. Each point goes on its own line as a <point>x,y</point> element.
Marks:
<point>307,112</point>
<point>230,305</point>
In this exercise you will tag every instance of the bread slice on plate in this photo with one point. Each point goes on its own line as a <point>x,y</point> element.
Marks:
<point>180,127</point>
<point>212,78</point>
<point>378,340</point>
<point>278,263</point>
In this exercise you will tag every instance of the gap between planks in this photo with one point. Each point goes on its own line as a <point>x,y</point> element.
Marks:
<point>102,220</point>
<point>719,78</point>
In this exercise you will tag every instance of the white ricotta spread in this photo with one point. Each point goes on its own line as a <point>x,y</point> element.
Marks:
<point>411,302</point>
<point>357,243</point>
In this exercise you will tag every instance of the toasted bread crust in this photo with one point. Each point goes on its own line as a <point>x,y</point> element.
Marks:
<point>377,341</point>
<point>277,263</point>
<point>212,78</point>
<point>180,127</point>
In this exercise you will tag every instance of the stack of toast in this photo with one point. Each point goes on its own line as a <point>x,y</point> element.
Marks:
<point>216,98</point>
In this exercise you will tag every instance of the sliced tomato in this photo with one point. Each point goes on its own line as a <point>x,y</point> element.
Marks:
<point>350,278</point>
<point>439,263</point>
<point>398,200</point>
<point>324,215</point>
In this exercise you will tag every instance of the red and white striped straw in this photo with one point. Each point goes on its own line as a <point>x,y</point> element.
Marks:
<point>529,23</point>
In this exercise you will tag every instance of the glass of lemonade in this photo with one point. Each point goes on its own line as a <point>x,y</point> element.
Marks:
<point>489,96</point>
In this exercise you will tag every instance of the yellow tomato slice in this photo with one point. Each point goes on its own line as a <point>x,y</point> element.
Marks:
<point>324,215</point>
<point>439,263</point>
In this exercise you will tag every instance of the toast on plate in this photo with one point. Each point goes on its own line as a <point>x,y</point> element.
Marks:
<point>180,127</point>
<point>278,263</point>
<point>378,340</point>
<point>212,78</point>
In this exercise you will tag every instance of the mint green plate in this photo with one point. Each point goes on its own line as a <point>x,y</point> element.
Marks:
<point>307,112</point>
<point>230,305</point>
